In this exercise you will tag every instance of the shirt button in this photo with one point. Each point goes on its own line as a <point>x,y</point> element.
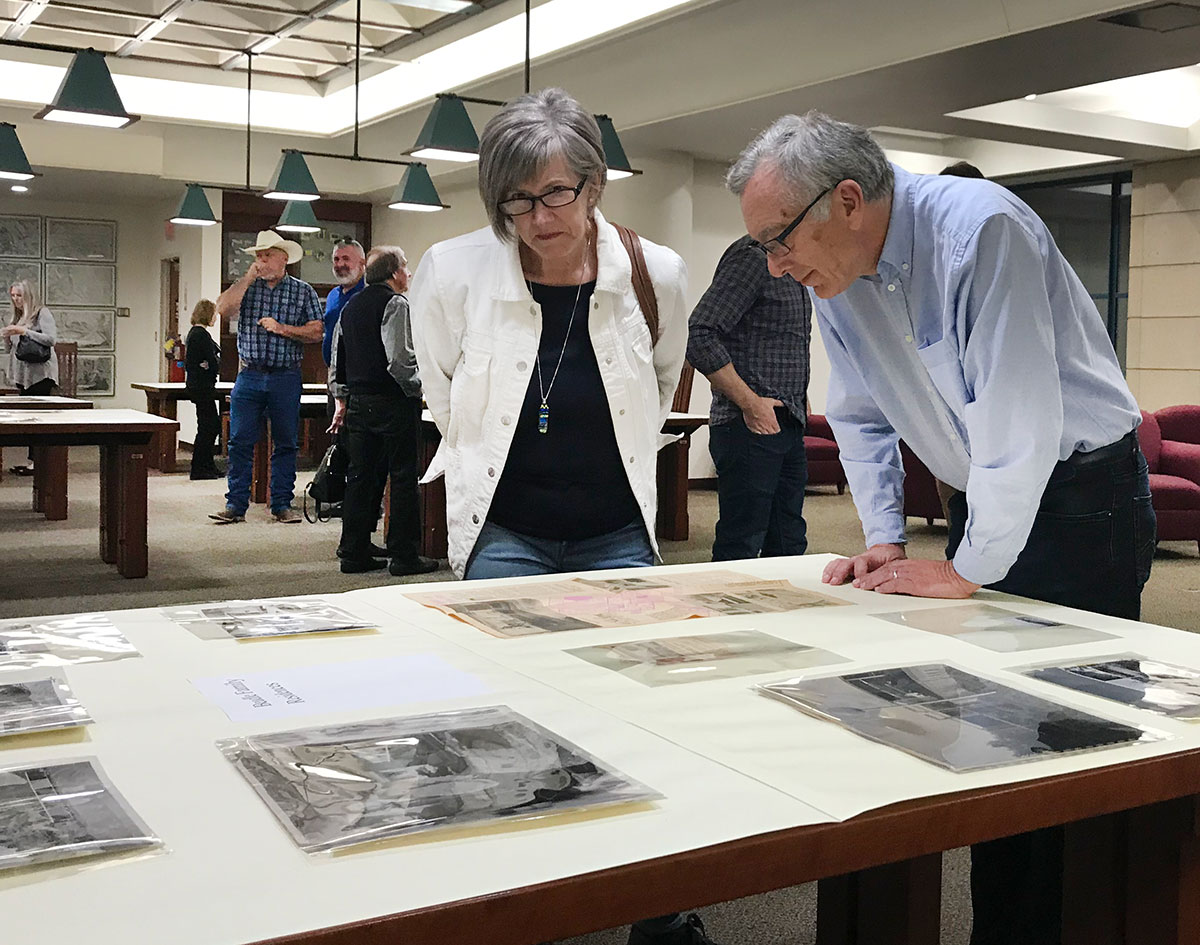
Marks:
<point>891,287</point>
<point>475,519</point>
<point>908,338</point>
<point>506,420</point>
<point>632,459</point>
<point>595,303</point>
<point>608,360</point>
<point>533,310</point>
<point>521,365</point>
<point>904,266</point>
<point>491,471</point>
<point>621,411</point>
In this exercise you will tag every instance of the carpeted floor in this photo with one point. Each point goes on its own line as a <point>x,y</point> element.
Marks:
<point>54,567</point>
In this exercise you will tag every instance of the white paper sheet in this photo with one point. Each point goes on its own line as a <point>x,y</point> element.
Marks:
<point>335,687</point>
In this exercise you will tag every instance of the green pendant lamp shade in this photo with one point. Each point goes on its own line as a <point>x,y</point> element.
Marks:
<point>292,179</point>
<point>298,217</point>
<point>447,134</point>
<point>416,192</point>
<point>614,153</point>
<point>87,95</point>
<point>13,163</point>
<point>194,208</point>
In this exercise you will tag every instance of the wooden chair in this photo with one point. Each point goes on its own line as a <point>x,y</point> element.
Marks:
<point>683,393</point>
<point>68,367</point>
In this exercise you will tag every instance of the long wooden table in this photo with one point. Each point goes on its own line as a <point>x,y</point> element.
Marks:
<point>162,400</point>
<point>124,438</point>
<point>49,462</point>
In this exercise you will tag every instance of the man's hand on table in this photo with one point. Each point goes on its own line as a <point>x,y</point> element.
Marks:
<point>884,568</point>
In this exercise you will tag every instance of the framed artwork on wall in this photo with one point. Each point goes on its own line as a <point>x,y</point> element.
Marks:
<point>80,284</point>
<point>84,240</point>
<point>14,270</point>
<point>93,329</point>
<point>96,375</point>
<point>21,236</point>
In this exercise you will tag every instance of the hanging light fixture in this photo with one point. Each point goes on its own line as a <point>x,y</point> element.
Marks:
<point>194,208</point>
<point>614,153</point>
<point>416,192</point>
<point>298,217</point>
<point>448,134</point>
<point>292,179</point>
<point>87,95</point>
<point>14,165</point>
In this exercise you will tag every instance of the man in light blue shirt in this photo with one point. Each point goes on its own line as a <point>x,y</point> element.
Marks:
<point>952,320</point>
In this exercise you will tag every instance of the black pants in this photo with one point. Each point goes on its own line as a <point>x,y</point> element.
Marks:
<point>380,437</point>
<point>760,489</point>
<point>1091,547</point>
<point>208,428</point>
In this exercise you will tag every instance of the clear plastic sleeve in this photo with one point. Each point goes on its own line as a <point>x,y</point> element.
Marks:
<point>995,628</point>
<point>64,810</point>
<point>953,718</point>
<point>60,641</point>
<point>1161,688</point>
<point>340,785</point>
<point>39,704</point>
<point>673,660</point>
<point>246,619</point>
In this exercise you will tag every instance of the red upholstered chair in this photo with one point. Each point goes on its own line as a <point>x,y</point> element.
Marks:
<point>821,451</point>
<point>920,488</point>
<point>1180,423</point>
<point>1174,476</point>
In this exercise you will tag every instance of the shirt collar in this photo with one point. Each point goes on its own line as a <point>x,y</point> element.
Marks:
<point>898,245</point>
<point>614,271</point>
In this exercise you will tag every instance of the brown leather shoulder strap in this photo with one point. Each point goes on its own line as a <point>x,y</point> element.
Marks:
<point>643,288</point>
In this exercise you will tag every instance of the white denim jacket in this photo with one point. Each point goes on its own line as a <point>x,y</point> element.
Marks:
<point>476,330</point>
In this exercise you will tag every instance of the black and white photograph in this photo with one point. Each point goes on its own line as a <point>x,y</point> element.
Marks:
<point>673,660</point>
<point>39,705</point>
<point>995,628</point>
<point>61,641</point>
<point>520,617</point>
<point>64,810</point>
<point>20,236</point>
<point>341,785</point>
<point>80,284</point>
<point>93,329</point>
<point>84,240</point>
<point>1161,688</point>
<point>96,375</point>
<point>953,718</point>
<point>247,619</point>
<point>760,597</point>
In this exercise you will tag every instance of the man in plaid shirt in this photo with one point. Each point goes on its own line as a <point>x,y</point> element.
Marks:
<point>277,315</point>
<point>749,335</point>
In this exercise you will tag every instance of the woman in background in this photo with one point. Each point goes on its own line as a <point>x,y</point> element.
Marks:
<point>202,365</point>
<point>33,320</point>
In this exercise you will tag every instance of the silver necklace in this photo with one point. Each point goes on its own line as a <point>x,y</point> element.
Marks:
<point>544,391</point>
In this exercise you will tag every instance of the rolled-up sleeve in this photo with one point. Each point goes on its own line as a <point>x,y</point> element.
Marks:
<point>738,281</point>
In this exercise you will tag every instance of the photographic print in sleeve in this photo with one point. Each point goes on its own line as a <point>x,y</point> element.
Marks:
<point>953,718</point>
<point>1161,688</point>
<point>340,785</point>
<point>60,641</point>
<point>246,619</point>
<point>64,810</point>
<point>39,705</point>
<point>995,628</point>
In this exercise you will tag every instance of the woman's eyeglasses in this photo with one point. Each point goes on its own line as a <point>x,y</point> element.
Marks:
<point>554,198</point>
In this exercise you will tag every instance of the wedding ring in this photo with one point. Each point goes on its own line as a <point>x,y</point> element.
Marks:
<point>895,574</point>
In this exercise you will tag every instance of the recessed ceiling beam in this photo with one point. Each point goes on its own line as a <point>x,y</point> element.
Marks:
<point>30,12</point>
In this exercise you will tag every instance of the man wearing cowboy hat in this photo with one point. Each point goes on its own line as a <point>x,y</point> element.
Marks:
<point>276,315</point>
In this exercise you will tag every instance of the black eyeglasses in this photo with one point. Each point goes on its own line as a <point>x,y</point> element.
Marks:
<point>776,245</point>
<point>554,197</point>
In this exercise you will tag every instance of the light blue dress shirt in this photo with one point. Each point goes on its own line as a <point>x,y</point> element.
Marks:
<point>977,344</point>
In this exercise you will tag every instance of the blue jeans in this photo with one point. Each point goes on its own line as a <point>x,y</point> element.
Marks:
<point>276,396</point>
<point>499,553</point>
<point>760,489</point>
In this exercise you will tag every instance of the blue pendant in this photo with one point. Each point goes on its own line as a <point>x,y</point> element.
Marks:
<point>543,418</point>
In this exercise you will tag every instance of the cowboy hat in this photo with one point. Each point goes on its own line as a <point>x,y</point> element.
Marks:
<point>269,239</point>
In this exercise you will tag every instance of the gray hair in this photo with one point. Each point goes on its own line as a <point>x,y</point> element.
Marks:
<point>814,152</point>
<point>30,299</point>
<point>526,135</point>
<point>383,262</point>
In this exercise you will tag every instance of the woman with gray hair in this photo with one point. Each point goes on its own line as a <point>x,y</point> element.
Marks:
<point>541,371</point>
<point>32,320</point>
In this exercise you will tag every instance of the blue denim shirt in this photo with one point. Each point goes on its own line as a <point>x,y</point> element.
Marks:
<point>977,344</point>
